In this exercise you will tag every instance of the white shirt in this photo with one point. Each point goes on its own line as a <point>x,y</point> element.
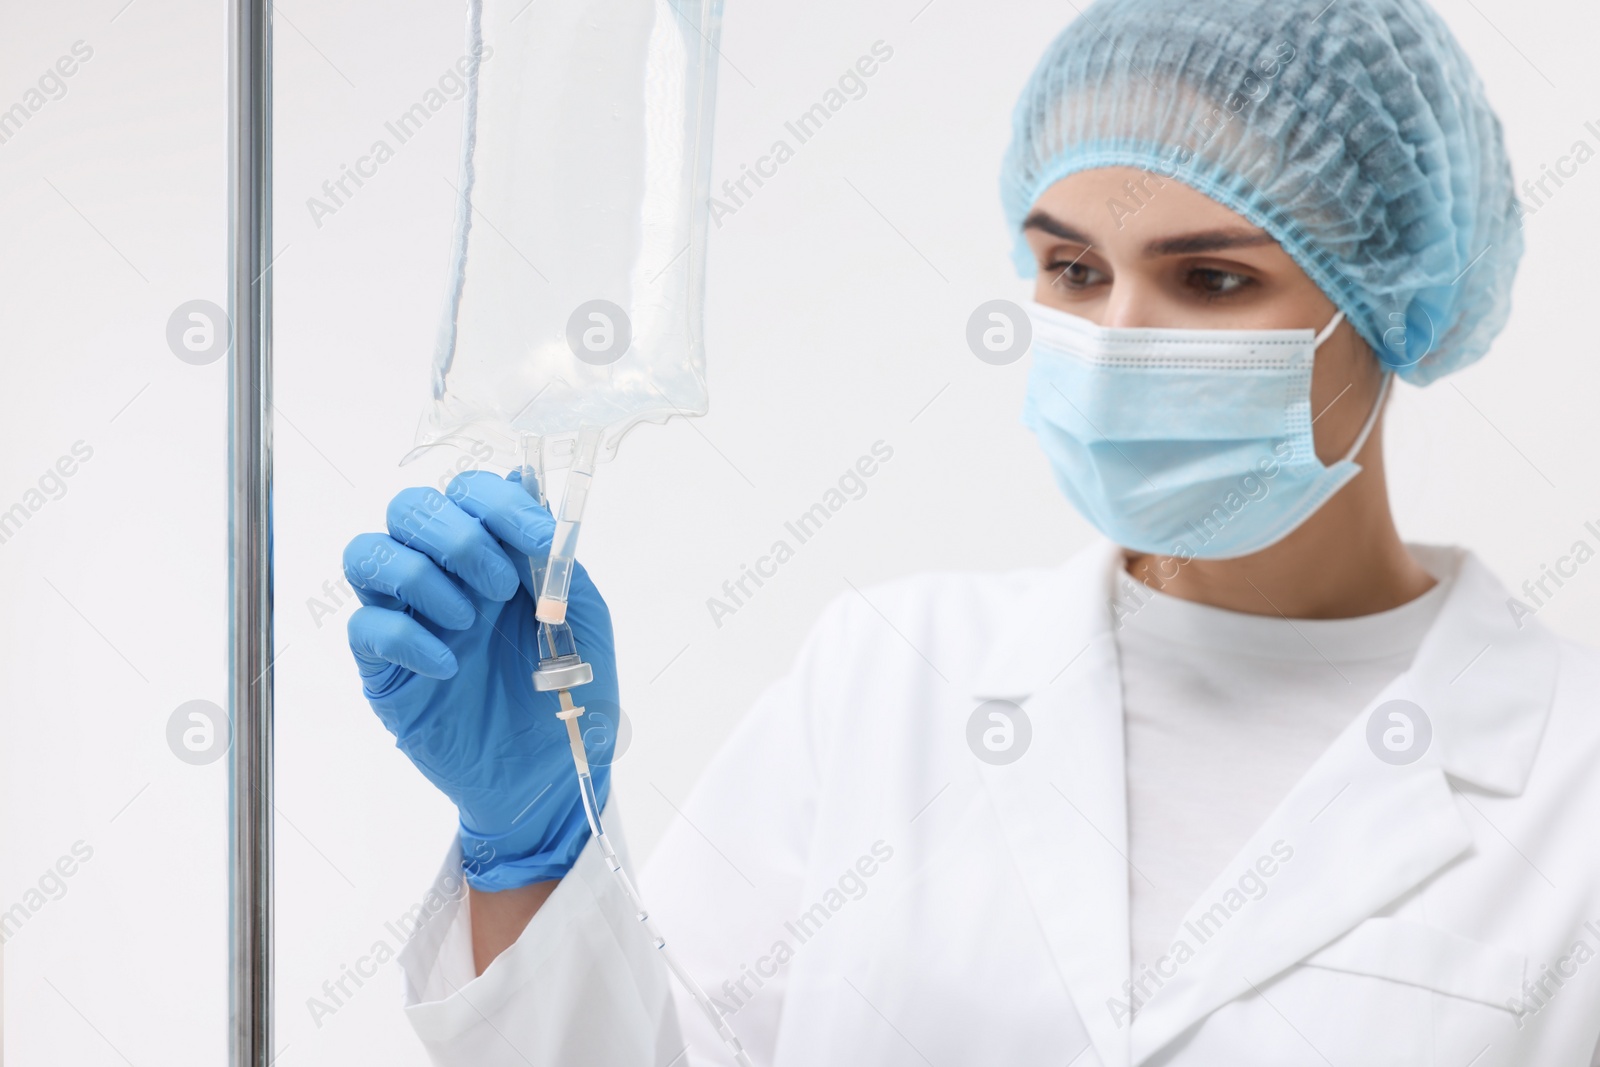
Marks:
<point>1223,713</point>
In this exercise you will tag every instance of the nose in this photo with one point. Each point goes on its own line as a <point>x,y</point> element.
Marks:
<point>1130,305</point>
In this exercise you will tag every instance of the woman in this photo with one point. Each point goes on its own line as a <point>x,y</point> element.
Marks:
<point>1254,782</point>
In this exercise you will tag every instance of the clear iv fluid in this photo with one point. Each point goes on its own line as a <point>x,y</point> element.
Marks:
<point>576,273</point>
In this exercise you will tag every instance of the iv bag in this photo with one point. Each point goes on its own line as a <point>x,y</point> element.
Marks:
<point>577,269</point>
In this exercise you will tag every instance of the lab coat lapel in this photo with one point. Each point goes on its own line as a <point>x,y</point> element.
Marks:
<point>1364,831</point>
<point>1352,836</point>
<point>1062,805</point>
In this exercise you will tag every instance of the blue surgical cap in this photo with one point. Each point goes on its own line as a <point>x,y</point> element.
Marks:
<point>1355,132</point>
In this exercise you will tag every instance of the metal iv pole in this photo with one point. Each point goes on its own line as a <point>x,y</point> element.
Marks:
<point>250,807</point>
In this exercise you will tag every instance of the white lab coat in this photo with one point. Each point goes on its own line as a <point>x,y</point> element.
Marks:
<point>899,901</point>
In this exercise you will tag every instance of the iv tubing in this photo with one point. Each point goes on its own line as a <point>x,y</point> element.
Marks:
<point>591,809</point>
<point>552,629</point>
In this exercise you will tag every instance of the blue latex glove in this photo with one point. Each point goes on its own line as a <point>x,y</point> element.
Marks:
<point>446,643</point>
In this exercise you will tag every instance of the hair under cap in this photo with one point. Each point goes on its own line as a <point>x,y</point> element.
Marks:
<point>1355,133</point>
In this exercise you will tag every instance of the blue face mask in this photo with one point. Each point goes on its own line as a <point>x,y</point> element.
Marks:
<point>1188,443</point>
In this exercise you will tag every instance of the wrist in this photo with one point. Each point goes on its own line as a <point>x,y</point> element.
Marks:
<point>499,918</point>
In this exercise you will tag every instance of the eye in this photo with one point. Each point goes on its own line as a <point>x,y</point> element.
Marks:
<point>1073,274</point>
<point>1212,283</point>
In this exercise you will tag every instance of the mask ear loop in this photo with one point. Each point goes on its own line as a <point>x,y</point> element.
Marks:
<point>1372,416</point>
<point>1377,405</point>
<point>1333,324</point>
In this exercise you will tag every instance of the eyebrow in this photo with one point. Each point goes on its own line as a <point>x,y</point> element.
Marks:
<point>1183,244</point>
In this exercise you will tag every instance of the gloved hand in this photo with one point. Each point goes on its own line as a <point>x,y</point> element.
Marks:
<point>446,643</point>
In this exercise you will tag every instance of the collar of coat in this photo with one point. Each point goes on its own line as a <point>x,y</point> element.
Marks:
<point>1485,681</point>
<point>1365,835</point>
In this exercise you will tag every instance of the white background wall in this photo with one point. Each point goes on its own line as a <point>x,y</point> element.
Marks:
<point>838,301</point>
